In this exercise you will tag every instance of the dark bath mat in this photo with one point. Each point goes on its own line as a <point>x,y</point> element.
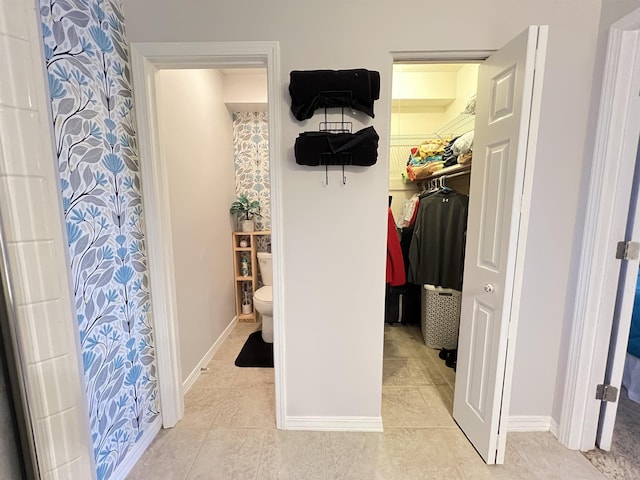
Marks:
<point>255,352</point>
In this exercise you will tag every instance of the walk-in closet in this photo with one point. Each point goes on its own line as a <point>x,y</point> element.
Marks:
<point>431,153</point>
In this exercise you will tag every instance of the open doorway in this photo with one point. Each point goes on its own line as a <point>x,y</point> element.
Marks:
<point>147,61</point>
<point>505,130</point>
<point>432,126</point>
<point>213,134</point>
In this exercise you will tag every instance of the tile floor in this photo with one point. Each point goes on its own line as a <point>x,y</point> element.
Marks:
<point>228,431</point>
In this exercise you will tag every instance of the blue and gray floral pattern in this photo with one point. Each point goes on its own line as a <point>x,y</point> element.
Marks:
<point>87,61</point>
<point>251,153</point>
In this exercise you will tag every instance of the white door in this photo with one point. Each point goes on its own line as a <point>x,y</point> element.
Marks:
<point>628,269</point>
<point>506,105</point>
<point>620,330</point>
<point>627,189</point>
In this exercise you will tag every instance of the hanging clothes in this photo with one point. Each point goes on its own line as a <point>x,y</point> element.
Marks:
<point>395,261</point>
<point>409,211</point>
<point>436,254</point>
<point>411,293</point>
<point>395,272</point>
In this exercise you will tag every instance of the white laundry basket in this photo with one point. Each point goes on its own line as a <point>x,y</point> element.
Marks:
<point>440,316</point>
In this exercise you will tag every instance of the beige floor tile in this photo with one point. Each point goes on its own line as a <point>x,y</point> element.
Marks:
<point>170,455</point>
<point>402,331</point>
<point>352,456</point>
<point>551,459</point>
<point>243,330</point>
<point>439,400</point>
<point>403,349</point>
<point>423,372</point>
<point>450,376</point>
<point>230,349</point>
<point>228,431</point>
<point>219,374</point>
<point>201,406</point>
<point>410,454</point>
<point>405,407</point>
<point>292,455</point>
<point>228,454</point>
<point>396,373</point>
<point>254,378</point>
<point>247,408</point>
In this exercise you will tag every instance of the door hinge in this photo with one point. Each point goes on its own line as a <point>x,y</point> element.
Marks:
<point>628,250</point>
<point>606,393</point>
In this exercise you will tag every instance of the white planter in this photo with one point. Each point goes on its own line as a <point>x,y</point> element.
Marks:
<point>247,225</point>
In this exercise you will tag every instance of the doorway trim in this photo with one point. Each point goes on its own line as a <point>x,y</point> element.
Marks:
<point>146,59</point>
<point>606,217</point>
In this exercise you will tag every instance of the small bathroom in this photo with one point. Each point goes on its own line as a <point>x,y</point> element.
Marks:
<point>214,141</point>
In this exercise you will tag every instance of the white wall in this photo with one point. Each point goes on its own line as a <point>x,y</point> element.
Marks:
<point>334,297</point>
<point>30,211</point>
<point>245,92</point>
<point>466,86</point>
<point>549,272</point>
<point>408,120</point>
<point>196,138</point>
<point>416,95</point>
<point>424,85</point>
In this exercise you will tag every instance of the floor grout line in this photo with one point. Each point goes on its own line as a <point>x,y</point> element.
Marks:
<point>195,457</point>
<point>264,435</point>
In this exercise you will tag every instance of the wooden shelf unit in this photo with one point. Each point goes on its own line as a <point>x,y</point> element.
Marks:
<point>250,282</point>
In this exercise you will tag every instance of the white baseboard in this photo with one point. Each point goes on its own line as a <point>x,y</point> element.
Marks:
<point>193,376</point>
<point>335,424</point>
<point>136,452</point>
<point>554,428</point>
<point>529,423</point>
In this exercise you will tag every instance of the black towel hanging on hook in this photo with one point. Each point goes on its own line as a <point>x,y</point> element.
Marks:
<point>314,89</point>
<point>327,148</point>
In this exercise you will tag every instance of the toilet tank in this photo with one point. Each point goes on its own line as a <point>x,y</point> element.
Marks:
<point>265,266</point>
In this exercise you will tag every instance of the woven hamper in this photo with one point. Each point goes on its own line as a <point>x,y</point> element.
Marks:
<point>440,316</point>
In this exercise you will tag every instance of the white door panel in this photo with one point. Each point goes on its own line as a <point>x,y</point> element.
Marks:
<point>628,269</point>
<point>503,110</point>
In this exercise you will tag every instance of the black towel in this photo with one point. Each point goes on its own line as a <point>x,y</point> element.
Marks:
<point>325,148</point>
<point>313,89</point>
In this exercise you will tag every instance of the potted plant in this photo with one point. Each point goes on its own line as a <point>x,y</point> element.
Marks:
<point>245,210</point>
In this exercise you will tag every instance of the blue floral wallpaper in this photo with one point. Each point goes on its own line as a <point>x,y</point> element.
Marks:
<point>87,61</point>
<point>251,154</point>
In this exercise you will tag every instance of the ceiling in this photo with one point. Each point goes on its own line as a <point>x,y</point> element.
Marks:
<point>427,67</point>
<point>243,71</point>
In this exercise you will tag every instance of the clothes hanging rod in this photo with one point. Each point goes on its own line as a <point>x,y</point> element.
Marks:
<point>453,175</point>
<point>447,173</point>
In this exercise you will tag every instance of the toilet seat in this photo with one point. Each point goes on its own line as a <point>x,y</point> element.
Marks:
<point>264,294</point>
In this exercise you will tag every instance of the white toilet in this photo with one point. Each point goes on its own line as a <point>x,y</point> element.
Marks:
<point>263,297</point>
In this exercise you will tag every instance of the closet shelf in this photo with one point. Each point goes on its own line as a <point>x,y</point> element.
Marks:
<point>458,169</point>
<point>401,145</point>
